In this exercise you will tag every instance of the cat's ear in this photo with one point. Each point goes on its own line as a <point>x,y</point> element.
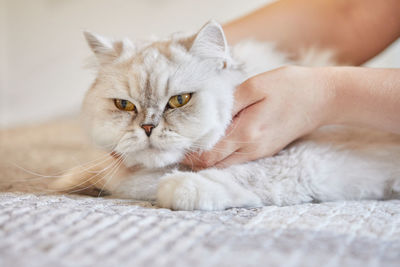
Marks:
<point>210,42</point>
<point>107,50</point>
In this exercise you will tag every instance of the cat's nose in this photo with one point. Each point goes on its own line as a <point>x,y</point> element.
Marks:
<point>148,128</point>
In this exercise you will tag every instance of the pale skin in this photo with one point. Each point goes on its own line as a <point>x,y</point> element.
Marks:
<point>277,107</point>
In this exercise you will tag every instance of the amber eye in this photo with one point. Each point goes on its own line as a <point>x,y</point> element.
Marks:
<point>178,101</point>
<point>124,105</point>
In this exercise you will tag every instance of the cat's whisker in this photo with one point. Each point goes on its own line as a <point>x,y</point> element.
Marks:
<point>114,167</point>
<point>111,166</point>
<point>104,156</point>
<point>85,167</point>
<point>60,174</point>
<point>84,181</point>
<point>121,161</point>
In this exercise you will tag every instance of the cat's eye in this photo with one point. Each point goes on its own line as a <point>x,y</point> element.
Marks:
<point>124,105</point>
<point>178,101</point>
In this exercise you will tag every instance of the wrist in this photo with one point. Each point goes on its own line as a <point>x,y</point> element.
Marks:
<point>324,90</point>
<point>349,103</point>
<point>334,85</point>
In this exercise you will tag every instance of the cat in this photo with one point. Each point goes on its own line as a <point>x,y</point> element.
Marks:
<point>152,102</point>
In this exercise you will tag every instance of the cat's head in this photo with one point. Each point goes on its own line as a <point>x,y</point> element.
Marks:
<point>153,102</point>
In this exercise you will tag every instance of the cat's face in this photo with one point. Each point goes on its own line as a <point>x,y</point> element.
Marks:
<point>154,102</point>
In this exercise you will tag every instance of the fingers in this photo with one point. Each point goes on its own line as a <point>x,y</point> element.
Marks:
<point>209,158</point>
<point>240,156</point>
<point>235,158</point>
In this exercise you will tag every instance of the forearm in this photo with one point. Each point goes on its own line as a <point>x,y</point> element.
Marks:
<point>364,97</point>
<point>356,29</point>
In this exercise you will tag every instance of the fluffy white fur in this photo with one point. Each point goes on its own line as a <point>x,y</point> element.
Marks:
<point>331,164</point>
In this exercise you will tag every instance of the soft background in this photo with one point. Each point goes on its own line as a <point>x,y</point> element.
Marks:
<point>42,50</point>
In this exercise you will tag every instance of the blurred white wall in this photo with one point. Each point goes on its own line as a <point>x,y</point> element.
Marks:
<point>3,62</point>
<point>42,51</point>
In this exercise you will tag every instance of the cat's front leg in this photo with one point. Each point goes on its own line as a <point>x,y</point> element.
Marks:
<point>210,189</point>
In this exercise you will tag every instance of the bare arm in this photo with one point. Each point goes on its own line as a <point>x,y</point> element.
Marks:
<point>301,100</point>
<point>356,29</point>
<point>365,97</point>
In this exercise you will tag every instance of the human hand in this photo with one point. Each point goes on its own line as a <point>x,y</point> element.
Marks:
<point>271,110</point>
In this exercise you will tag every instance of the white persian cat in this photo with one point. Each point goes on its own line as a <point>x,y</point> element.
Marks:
<point>152,102</point>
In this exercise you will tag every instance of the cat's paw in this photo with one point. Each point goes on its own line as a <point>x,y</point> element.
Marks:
<point>191,191</point>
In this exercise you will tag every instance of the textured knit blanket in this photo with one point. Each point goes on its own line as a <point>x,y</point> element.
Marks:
<point>41,228</point>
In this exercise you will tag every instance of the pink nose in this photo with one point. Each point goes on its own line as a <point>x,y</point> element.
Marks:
<point>148,128</point>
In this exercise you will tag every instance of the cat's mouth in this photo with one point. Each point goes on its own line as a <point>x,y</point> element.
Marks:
<point>152,148</point>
